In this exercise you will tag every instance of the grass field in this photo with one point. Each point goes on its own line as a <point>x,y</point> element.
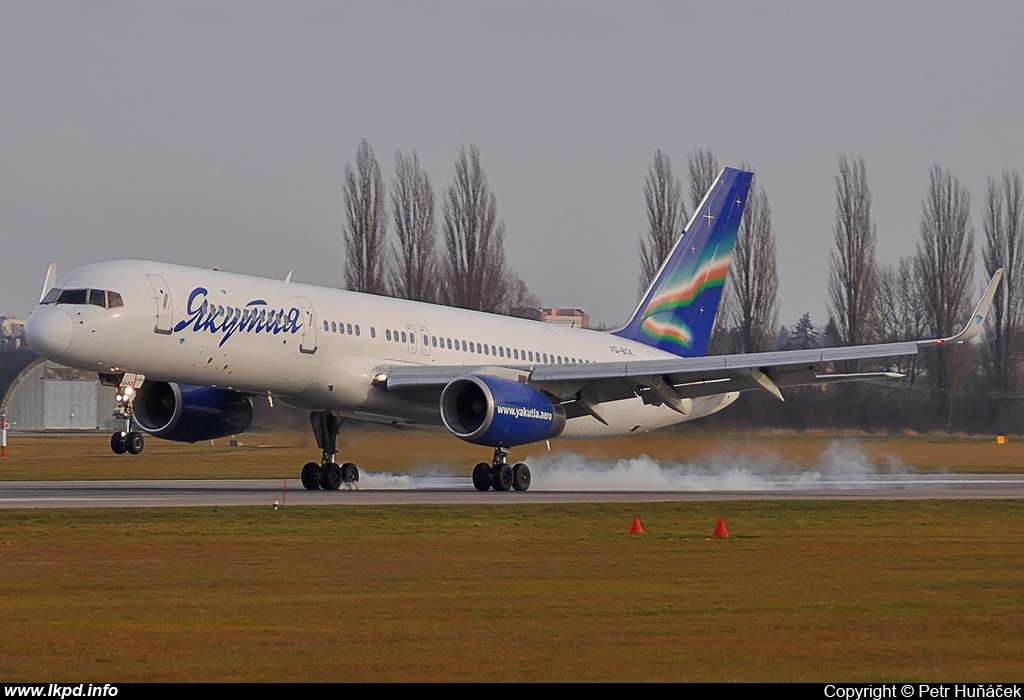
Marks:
<point>809,591</point>
<point>803,590</point>
<point>279,455</point>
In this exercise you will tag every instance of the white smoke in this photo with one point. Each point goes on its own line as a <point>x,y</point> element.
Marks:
<point>425,478</point>
<point>843,465</point>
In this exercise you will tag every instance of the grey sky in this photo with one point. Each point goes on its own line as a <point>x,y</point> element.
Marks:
<point>216,134</point>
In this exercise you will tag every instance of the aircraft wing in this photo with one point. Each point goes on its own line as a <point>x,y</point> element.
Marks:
<point>584,386</point>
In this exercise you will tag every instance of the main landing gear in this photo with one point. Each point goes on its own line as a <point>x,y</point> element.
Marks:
<point>499,475</point>
<point>127,440</point>
<point>328,475</point>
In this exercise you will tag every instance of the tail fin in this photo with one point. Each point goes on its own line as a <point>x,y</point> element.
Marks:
<point>677,313</point>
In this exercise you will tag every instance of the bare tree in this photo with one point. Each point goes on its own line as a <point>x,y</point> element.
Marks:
<point>703,168</point>
<point>901,312</point>
<point>1004,248</point>
<point>945,267</point>
<point>752,284</point>
<point>666,215</point>
<point>853,275</point>
<point>474,254</point>
<point>519,300</point>
<point>365,260</point>
<point>412,204</point>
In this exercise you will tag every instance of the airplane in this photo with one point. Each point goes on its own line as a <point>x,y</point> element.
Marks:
<point>188,349</point>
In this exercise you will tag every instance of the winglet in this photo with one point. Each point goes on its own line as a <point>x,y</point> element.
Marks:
<point>288,277</point>
<point>977,322</point>
<point>51,279</point>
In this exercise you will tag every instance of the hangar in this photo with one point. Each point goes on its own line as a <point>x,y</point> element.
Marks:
<point>40,395</point>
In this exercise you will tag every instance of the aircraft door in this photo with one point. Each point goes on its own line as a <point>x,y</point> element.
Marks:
<point>425,337</point>
<point>308,343</point>
<point>411,330</point>
<point>164,306</point>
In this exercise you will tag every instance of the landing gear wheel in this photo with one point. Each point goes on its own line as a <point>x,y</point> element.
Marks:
<point>311,476</point>
<point>349,473</point>
<point>330,476</point>
<point>119,442</point>
<point>521,477</point>
<point>134,442</point>
<point>480,473</point>
<point>502,477</point>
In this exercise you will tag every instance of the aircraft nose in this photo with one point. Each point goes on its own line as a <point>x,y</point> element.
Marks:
<point>49,331</point>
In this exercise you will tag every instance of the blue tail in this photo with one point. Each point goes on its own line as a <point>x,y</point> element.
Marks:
<point>677,313</point>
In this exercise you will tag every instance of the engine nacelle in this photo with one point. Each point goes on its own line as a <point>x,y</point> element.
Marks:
<point>498,412</point>
<point>187,413</point>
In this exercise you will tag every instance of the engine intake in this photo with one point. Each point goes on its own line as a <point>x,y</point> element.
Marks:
<point>496,412</point>
<point>187,413</point>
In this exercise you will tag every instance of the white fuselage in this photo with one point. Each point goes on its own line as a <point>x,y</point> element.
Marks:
<point>314,347</point>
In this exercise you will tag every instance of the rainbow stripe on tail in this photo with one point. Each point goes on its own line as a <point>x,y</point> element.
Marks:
<point>677,313</point>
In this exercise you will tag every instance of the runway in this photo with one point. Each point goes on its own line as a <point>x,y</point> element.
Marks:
<point>399,490</point>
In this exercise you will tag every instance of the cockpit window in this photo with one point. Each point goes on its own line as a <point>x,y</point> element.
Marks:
<point>95,297</point>
<point>73,296</point>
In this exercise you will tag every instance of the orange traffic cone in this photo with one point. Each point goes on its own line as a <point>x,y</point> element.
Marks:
<point>720,529</point>
<point>636,527</point>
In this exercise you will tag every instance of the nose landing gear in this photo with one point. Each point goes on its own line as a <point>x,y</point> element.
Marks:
<point>127,440</point>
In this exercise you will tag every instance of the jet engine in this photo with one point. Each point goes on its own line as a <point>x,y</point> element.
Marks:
<point>496,412</point>
<point>187,413</point>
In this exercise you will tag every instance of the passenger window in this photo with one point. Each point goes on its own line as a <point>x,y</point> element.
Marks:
<point>501,351</point>
<point>425,342</point>
<point>449,343</point>
<point>433,340</point>
<point>325,326</point>
<point>357,330</point>
<point>114,300</point>
<point>405,338</point>
<point>96,298</point>
<point>485,349</point>
<point>463,346</point>
<point>349,327</point>
<point>387,334</point>
<point>373,332</point>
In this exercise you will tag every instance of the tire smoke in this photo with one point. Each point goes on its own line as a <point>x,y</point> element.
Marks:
<point>842,465</point>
